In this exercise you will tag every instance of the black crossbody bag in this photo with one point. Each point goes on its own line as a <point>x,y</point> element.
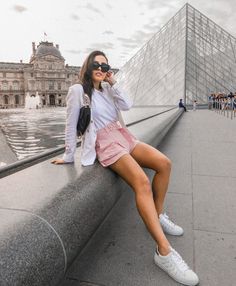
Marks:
<point>84,116</point>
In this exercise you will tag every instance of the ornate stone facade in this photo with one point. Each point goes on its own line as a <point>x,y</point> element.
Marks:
<point>45,75</point>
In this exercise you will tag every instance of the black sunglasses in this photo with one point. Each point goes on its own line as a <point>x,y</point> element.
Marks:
<point>104,67</point>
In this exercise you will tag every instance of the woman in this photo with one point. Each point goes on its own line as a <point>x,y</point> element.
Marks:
<point>109,140</point>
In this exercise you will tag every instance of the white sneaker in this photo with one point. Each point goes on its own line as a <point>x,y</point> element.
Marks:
<point>168,226</point>
<point>174,266</point>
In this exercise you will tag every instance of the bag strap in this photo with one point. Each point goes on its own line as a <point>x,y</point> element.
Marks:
<point>86,99</point>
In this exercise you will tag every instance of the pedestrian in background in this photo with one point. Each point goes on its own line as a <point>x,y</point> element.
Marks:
<point>181,105</point>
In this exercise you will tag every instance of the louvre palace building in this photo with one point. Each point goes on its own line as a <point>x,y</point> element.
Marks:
<point>46,76</point>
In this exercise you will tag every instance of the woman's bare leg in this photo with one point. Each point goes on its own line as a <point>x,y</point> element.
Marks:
<point>149,157</point>
<point>132,173</point>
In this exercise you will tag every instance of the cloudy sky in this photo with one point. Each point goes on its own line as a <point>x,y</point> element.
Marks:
<point>118,27</point>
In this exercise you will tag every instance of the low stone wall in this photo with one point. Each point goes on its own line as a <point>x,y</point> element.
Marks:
<point>49,212</point>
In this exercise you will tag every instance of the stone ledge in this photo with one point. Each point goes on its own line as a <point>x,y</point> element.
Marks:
<point>49,212</point>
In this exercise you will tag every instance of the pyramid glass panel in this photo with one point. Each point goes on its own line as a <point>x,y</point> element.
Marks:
<point>190,57</point>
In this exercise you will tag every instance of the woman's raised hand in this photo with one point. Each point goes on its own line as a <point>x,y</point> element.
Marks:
<point>109,78</point>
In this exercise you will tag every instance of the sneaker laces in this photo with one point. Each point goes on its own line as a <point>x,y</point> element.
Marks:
<point>170,222</point>
<point>181,263</point>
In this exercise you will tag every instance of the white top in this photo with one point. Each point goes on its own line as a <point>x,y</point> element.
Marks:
<point>105,108</point>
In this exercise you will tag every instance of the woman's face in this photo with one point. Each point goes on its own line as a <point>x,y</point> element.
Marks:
<point>97,74</point>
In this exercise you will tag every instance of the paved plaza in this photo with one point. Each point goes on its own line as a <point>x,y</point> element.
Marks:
<point>201,198</point>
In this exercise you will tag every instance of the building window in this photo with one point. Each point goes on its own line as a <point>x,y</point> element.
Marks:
<point>4,74</point>
<point>51,85</point>
<point>32,74</point>
<point>15,85</point>
<point>68,75</point>
<point>4,85</point>
<point>43,85</point>
<point>59,85</point>
<point>17,99</point>
<point>32,85</point>
<point>5,99</point>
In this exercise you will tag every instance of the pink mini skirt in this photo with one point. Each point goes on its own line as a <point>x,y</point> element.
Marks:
<point>113,141</point>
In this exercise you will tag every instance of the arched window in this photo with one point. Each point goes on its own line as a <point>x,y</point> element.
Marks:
<point>5,99</point>
<point>17,99</point>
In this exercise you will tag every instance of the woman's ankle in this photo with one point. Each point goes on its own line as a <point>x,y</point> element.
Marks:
<point>163,249</point>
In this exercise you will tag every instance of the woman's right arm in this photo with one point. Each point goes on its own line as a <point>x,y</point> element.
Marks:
<point>72,115</point>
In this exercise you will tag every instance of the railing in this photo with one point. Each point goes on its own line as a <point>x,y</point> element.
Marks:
<point>225,108</point>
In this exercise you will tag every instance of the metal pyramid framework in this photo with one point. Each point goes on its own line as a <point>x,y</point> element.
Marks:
<point>190,58</point>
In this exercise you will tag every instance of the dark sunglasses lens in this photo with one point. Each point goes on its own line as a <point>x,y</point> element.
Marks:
<point>105,67</point>
<point>95,65</point>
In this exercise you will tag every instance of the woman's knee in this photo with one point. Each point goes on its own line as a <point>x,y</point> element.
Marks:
<point>165,165</point>
<point>142,185</point>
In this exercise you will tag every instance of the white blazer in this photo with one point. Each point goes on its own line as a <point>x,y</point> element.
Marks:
<point>74,100</point>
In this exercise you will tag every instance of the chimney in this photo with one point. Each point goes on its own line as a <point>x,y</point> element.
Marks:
<point>33,48</point>
<point>57,46</point>
<point>21,61</point>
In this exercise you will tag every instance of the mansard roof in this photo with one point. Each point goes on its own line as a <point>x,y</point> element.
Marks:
<point>46,48</point>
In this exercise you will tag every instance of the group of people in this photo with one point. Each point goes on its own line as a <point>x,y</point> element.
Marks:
<point>222,101</point>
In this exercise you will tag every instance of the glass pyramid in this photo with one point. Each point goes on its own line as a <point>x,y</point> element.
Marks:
<point>190,58</point>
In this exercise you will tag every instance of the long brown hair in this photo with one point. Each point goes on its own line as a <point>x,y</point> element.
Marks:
<point>85,75</point>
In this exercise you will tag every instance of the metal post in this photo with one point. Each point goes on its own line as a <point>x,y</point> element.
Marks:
<point>227,108</point>
<point>231,105</point>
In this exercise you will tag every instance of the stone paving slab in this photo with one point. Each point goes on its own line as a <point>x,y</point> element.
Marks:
<point>215,258</point>
<point>215,204</point>
<point>180,183</point>
<point>221,159</point>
